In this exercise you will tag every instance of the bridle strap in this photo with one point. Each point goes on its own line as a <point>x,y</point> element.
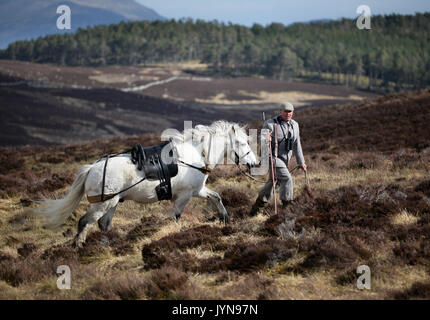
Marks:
<point>237,160</point>
<point>237,157</point>
<point>204,170</point>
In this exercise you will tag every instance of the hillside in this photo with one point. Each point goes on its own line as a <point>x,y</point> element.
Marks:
<point>29,19</point>
<point>385,124</point>
<point>368,203</point>
<point>48,104</point>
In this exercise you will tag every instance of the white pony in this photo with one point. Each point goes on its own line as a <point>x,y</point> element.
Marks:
<point>121,173</point>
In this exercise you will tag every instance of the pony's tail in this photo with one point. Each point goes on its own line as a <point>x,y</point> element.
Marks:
<point>57,211</point>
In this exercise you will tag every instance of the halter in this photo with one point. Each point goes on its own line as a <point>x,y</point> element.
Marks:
<point>237,158</point>
<point>207,161</point>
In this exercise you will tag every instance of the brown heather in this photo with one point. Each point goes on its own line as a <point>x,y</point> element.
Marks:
<point>368,203</point>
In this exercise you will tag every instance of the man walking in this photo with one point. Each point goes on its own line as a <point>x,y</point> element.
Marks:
<point>286,131</point>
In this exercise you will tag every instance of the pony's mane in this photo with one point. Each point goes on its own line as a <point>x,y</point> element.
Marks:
<point>219,126</point>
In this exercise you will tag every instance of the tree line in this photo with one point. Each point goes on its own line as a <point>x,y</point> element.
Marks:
<point>395,52</point>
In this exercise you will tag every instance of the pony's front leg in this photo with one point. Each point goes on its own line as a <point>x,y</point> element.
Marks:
<point>179,204</point>
<point>213,196</point>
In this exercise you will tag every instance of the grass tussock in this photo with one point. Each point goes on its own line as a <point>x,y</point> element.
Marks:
<point>418,290</point>
<point>236,201</point>
<point>165,283</point>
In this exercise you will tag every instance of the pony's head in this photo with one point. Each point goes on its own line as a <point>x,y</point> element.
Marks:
<point>213,139</point>
<point>239,149</point>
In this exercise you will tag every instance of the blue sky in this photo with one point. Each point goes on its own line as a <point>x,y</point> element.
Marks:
<point>247,12</point>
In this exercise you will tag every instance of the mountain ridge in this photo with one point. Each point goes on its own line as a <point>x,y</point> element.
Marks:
<point>23,19</point>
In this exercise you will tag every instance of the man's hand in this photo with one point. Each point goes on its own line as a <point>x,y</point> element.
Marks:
<point>303,166</point>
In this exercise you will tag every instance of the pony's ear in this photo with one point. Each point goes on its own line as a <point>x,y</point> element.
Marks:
<point>232,134</point>
<point>236,128</point>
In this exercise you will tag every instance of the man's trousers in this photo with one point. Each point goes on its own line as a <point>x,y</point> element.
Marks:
<point>284,180</point>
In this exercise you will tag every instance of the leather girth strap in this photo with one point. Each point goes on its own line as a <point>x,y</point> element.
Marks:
<point>94,199</point>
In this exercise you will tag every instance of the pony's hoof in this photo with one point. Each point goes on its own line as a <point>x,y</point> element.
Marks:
<point>224,218</point>
<point>77,244</point>
<point>177,217</point>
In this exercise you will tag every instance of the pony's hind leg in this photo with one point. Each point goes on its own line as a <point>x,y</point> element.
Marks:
<point>179,204</point>
<point>95,212</point>
<point>105,222</point>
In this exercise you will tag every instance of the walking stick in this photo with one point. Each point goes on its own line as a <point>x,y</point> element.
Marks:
<point>271,161</point>
<point>273,173</point>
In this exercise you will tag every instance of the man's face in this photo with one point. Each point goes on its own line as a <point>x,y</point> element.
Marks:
<point>287,115</point>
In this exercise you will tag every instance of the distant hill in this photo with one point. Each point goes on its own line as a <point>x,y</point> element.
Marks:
<point>314,21</point>
<point>26,19</point>
<point>392,56</point>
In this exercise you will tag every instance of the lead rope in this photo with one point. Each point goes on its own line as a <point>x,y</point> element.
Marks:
<point>249,176</point>
<point>306,175</point>
<point>264,181</point>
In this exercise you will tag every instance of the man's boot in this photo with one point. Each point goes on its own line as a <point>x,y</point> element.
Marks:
<point>286,203</point>
<point>257,207</point>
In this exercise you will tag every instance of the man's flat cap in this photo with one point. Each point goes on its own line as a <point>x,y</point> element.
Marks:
<point>287,106</point>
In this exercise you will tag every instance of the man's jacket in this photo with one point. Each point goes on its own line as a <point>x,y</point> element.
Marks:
<point>286,130</point>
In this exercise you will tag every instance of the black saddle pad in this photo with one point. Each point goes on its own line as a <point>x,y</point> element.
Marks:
<point>149,159</point>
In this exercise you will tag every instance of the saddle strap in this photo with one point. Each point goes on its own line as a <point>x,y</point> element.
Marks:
<point>104,177</point>
<point>99,198</point>
<point>94,199</point>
